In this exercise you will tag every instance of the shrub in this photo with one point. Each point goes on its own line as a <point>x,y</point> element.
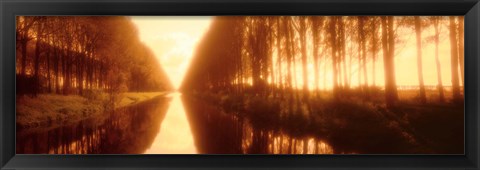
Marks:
<point>232,103</point>
<point>94,94</point>
<point>263,112</point>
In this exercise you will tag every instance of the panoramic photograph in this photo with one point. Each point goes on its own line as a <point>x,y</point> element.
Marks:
<point>240,85</point>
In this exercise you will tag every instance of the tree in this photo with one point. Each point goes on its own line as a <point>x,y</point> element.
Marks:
<point>333,45</point>
<point>436,24</point>
<point>374,46</point>
<point>388,45</point>
<point>23,27</point>
<point>75,53</point>
<point>273,52</point>
<point>454,59</point>
<point>362,52</point>
<point>461,49</point>
<point>418,32</point>
<point>302,30</point>
<point>317,23</point>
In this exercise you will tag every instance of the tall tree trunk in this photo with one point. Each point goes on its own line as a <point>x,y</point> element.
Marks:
<point>461,49</point>
<point>343,53</point>
<point>316,21</point>
<point>279,57</point>
<point>289,56</point>
<point>333,37</point>
<point>454,60</point>
<point>272,61</point>
<point>255,63</point>
<point>437,60</point>
<point>24,43</point>
<point>315,28</point>
<point>24,54</point>
<point>374,49</point>
<point>48,67</point>
<point>364,63</point>
<point>37,59</point>
<point>325,72</point>
<point>418,32</point>
<point>303,42</point>
<point>388,44</point>
<point>359,58</point>
<point>294,60</point>
<point>364,54</point>
<point>66,71</point>
<point>55,67</point>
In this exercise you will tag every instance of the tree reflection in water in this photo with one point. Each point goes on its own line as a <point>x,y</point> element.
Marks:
<point>129,130</point>
<point>137,129</point>
<point>216,132</point>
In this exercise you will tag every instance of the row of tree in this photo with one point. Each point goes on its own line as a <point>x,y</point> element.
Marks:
<point>67,55</point>
<point>259,54</point>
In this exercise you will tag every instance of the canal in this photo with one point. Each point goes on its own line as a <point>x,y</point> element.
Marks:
<point>171,124</point>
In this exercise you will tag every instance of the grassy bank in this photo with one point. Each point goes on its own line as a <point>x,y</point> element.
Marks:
<point>52,110</point>
<point>133,98</point>
<point>353,124</point>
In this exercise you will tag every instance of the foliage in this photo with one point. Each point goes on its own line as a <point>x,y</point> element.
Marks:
<point>53,110</point>
<point>68,55</point>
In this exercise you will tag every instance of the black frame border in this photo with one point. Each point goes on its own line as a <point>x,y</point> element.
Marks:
<point>10,8</point>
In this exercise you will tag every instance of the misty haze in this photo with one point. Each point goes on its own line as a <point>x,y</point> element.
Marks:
<point>240,85</point>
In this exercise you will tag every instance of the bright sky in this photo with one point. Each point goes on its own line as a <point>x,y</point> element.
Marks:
<point>173,40</point>
<point>406,60</point>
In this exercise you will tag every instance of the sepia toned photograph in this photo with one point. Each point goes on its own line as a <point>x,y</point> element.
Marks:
<point>240,85</point>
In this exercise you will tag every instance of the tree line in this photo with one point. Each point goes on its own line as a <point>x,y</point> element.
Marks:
<point>68,55</point>
<point>259,55</point>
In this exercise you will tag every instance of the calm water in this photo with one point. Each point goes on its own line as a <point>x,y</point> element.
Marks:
<point>173,124</point>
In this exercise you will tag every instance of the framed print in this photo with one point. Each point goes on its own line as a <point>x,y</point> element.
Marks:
<point>254,84</point>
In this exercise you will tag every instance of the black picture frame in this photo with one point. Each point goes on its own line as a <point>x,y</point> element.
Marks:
<point>10,8</point>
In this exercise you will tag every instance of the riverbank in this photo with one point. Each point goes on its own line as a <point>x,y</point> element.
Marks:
<point>352,124</point>
<point>50,110</point>
<point>134,98</point>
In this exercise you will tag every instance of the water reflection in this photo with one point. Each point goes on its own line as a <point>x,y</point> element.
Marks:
<point>127,130</point>
<point>173,124</point>
<point>175,136</point>
<point>216,132</point>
